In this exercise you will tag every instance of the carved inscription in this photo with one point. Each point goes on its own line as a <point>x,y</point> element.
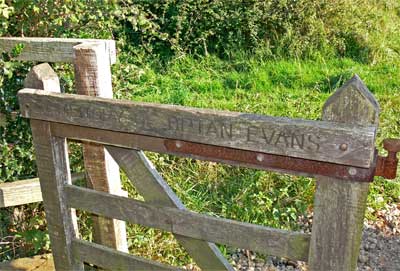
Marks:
<point>201,127</point>
<point>140,120</point>
<point>92,113</point>
<point>251,133</point>
<point>284,139</point>
<point>316,140</point>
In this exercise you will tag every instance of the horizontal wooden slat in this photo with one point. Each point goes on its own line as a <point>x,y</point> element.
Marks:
<point>20,192</point>
<point>112,259</point>
<point>25,191</point>
<point>269,241</point>
<point>146,143</point>
<point>51,49</point>
<point>316,140</point>
<point>234,157</point>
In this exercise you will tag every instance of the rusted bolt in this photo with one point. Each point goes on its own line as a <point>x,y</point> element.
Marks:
<point>352,171</point>
<point>178,144</point>
<point>343,147</point>
<point>260,157</point>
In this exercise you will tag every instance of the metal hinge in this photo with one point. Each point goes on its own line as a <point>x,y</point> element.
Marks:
<point>387,166</point>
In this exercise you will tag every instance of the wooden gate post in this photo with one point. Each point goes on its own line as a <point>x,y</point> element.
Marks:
<point>54,172</point>
<point>339,205</point>
<point>93,78</point>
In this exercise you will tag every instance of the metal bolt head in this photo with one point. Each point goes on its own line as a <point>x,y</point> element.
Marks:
<point>352,171</point>
<point>343,147</point>
<point>178,144</point>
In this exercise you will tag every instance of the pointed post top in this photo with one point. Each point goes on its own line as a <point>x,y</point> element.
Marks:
<point>42,76</point>
<point>352,103</point>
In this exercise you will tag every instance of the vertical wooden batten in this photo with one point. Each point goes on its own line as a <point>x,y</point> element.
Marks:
<point>93,78</point>
<point>53,167</point>
<point>54,172</point>
<point>339,205</point>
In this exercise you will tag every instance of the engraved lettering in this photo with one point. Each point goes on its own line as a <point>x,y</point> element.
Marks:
<point>189,122</point>
<point>315,143</point>
<point>95,114</point>
<point>225,131</point>
<point>117,115</point>
<point>83,112</point>
<point>298,140</point>
<point>251,131</point>
<point>267,139</point>
<point>212,129</point>
<point>67,109</point>
<point>173,124</point>
<point>285,139</point>
<point>200,127</point>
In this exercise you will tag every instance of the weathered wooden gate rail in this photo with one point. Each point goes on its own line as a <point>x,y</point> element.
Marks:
<point>316,140</point>
<point>233,138</point>
<point>179,130</point>
<point>92,59</point>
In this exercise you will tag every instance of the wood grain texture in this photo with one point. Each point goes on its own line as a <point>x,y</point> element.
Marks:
<point>269,241</point>
<point>112,259</point>
<point>53,167</point>
<point>25,191</point>
<point>52,49</point>
<point>20,192</point>
<point>42,76</point>
<point>149,183</point>
<point>339,206</point>
<point>93,78</point>
<point>160,145</point>
<point>315,140</point>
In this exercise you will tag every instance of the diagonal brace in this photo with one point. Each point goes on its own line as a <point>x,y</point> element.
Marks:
<point>142,173</point>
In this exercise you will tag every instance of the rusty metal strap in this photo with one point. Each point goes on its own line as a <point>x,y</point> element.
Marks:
<point>267,161</point>
<point>380,166</point>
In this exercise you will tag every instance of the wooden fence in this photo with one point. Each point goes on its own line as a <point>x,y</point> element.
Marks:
<point>344,141</point>
<point>28,190</point>
<point>91,60</point>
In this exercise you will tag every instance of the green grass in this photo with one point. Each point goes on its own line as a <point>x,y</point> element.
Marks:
<point>287,88</point>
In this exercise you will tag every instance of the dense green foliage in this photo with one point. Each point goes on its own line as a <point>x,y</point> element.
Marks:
<point>280,57</point>
<point>362,29</point>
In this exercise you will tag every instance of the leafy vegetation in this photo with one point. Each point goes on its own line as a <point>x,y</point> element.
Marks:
<point>280,58</point>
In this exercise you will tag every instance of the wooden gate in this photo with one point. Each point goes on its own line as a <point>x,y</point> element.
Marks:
<point>338,151</point>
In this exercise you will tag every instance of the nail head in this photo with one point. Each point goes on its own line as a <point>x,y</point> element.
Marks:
<point>178,144</point>
<point>343,147</point>
<point>352,171</point>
